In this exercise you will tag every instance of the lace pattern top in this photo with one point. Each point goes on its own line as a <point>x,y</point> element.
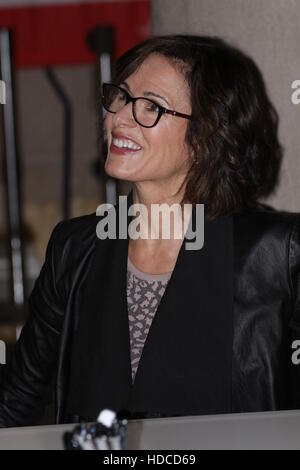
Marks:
<point>144,292</point>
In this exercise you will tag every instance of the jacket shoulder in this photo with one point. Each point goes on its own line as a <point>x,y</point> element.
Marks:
<point>70,241</point>
<point>75,228</point>
<point>270,239</point>
<point>263,220</point>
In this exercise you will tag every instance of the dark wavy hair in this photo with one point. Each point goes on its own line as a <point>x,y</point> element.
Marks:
<point>235,152</point>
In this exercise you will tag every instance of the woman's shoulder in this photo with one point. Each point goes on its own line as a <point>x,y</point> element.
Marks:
<point>71,239</point>
<point>75,228</point>
<point>263,218</point>
<point>268,234</point>
<point>82,227</point>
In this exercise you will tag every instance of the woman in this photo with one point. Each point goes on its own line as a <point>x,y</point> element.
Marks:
<point>143,324</point>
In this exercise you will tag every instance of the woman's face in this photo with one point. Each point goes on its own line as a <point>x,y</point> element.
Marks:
<point>163,157</point>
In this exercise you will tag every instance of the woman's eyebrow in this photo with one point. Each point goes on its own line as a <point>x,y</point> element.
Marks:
<point>146,93</point>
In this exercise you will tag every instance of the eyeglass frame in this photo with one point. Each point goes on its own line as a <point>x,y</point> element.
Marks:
<point>130,99</point>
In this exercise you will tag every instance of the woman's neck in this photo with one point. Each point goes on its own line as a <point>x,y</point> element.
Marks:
<point>160,213</point>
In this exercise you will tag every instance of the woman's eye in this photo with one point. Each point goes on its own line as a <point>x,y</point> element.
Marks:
<point>152,107</point>
<point>121,97</point>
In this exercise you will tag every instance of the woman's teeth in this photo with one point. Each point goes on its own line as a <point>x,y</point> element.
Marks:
<point>120,143</point>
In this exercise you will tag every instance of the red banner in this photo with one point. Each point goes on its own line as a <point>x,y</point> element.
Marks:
<point>56,34</point>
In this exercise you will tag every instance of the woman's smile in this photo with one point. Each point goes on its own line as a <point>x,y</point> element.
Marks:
<point>122,145</point>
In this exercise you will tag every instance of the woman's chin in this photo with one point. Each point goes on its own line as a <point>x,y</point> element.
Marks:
<point>116,171</point>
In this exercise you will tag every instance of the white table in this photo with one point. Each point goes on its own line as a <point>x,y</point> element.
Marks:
<point>268,430</point>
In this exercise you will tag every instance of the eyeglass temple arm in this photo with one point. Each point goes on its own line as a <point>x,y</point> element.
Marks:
<point>176,113</point>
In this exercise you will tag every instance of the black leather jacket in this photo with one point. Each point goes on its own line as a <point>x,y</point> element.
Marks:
<point>221,340</point>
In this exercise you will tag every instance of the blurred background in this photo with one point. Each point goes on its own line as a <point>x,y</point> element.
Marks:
<point>53,57</point>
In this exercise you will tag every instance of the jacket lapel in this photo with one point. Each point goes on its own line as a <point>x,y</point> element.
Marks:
<point>100,365</point>
<point>185,366</point>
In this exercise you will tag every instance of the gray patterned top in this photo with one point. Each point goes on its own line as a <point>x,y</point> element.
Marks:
<point>144,292</point>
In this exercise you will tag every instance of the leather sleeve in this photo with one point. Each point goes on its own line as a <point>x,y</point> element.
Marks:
<point>294,263</point>
<point>27,376</point>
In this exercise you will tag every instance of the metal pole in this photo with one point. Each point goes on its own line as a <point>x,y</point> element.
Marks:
<point>67,160</point>
<point>9,154</point>
<point>101,41</point>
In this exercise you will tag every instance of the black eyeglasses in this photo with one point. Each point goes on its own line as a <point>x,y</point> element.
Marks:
<point>146,112</point>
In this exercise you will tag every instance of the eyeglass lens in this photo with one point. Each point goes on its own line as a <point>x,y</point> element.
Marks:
<point>145,111</point>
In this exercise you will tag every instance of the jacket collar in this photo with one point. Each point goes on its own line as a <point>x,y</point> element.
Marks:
<point>185,366</point>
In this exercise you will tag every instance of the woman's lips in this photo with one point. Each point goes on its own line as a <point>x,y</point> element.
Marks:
<point>122,151</point>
